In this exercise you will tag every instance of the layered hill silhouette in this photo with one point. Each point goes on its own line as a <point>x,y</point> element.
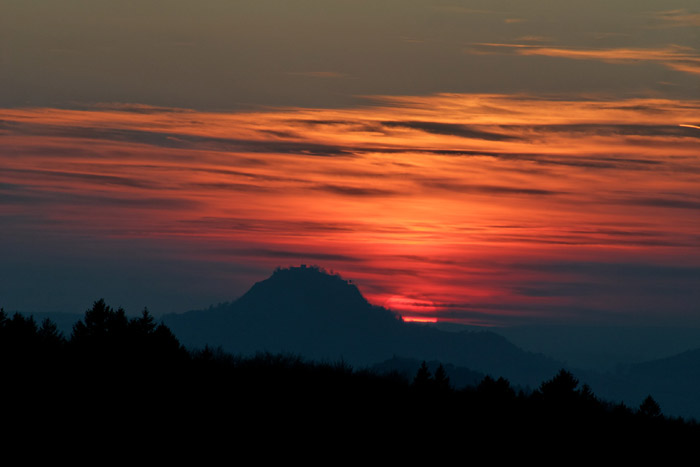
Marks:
<point>674,381</point>
<point>115,372</point>
<point>308,312</point>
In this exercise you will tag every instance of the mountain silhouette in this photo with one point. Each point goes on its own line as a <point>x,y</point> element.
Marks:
<point>309,312</point>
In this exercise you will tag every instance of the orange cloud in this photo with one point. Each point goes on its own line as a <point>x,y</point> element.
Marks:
<point>466,202</point>
<point>677,18</point>
<point>684,59</point>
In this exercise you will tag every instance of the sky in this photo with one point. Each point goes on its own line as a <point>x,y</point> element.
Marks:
<point>481,162</point>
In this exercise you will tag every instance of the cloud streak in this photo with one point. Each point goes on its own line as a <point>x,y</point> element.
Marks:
<point>679,18</point>
<point>440,197</point>
<point>679,58</point>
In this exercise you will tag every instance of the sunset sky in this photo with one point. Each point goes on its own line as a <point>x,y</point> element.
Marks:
<point>483,162</point>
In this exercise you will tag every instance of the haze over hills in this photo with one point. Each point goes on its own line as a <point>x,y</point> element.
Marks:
<point>319,316</point>
<point>603,348</point>
<point>305,311</point>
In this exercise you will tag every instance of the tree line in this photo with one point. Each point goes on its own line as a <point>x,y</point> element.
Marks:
<point>113,367</point>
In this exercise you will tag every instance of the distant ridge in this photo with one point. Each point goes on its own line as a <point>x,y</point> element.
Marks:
<point>309,312</point>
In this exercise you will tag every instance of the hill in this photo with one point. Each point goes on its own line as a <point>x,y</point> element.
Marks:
<point>320,316</point>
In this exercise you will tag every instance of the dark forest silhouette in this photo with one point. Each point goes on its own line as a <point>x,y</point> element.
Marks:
<point>114,368</point>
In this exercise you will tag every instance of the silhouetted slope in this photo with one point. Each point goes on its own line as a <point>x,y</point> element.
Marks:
<point>323,317</point>
<point>674,382</point>
<point>114,374</point>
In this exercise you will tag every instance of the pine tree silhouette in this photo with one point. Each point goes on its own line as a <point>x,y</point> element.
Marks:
<point>423,378</point>
<point>649,408</point>
<point>442,381</point>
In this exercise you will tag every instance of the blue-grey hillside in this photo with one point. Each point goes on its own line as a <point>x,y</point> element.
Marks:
<point>320,316</point>
<point>674,381</point>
